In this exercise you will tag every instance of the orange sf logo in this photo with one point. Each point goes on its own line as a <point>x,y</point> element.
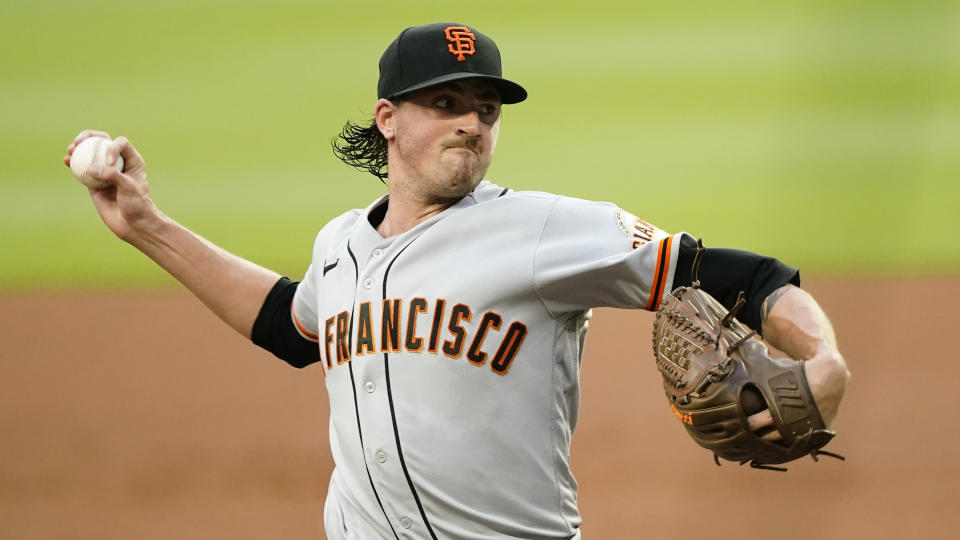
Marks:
<point>462,37</point>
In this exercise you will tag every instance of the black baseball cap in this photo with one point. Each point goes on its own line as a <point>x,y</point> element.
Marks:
<point>432,54</point>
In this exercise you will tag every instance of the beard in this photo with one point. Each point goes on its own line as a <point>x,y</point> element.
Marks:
<point>445,175</point>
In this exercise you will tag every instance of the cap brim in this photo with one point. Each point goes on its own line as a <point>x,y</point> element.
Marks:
<point>510,92</point>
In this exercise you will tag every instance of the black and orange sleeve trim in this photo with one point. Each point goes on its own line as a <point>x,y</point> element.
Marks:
<point>662,270</point>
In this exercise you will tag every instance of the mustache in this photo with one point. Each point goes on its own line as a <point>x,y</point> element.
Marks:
<point>470,143</point>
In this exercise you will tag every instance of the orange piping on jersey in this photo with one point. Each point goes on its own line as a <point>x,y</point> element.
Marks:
<point>656,275</point>
<point>660,277</point>
<point>306,333</point>
<point>666,271</point>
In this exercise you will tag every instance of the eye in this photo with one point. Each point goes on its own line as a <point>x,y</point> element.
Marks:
<point>488,108</point>
<point>442,102</point>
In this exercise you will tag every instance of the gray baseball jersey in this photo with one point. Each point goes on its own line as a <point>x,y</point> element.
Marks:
<point>452,358</point>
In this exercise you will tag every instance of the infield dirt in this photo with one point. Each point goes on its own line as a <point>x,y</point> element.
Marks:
<point>139,415</point>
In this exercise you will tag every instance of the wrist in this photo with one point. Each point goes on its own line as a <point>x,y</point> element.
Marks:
<point>148,229</point>
<point>827,375</point>
<point>827,353</point>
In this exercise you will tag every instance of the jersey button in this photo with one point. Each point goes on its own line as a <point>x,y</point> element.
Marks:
<point>370,387</point>
<point>406,522</point>
<point>378,253</point>
<point>381,456</point>
<point>368,283</point>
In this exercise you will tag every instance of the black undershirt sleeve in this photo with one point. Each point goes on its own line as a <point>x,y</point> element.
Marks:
<point>725,272</point>
<point>274,329</point>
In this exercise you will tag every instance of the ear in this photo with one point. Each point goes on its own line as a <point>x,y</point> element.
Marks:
<point>385,114</point>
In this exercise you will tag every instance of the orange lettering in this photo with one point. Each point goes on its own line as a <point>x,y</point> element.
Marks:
<point>685,418</point>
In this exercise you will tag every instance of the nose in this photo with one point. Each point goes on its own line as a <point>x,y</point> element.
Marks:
<point>468,124</point>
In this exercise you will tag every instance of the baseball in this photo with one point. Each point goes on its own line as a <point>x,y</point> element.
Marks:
<point>89,152</point>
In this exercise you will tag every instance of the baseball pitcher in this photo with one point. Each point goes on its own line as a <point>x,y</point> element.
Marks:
<point>449,315</point>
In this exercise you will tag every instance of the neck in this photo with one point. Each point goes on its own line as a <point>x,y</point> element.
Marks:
<point>404,214</point>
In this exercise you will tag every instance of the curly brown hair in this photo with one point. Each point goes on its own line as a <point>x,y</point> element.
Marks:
<point>362,146</point>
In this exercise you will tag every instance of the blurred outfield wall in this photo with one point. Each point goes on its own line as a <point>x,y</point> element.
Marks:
<point>824,133</point>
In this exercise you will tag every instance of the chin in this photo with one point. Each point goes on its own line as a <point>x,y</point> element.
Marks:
<point>468,183</point>
<point>464,178</point>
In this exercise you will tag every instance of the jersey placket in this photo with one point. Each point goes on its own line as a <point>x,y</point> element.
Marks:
<point>373,393</point>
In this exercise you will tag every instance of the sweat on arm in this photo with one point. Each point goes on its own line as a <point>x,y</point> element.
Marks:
<point>725,272</point>
<point>275,330</point>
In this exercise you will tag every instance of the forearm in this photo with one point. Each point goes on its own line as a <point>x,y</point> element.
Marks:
<point>232,287</point>
<point>794,323</point>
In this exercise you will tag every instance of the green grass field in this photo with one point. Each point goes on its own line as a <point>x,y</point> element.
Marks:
<point>825,133</point>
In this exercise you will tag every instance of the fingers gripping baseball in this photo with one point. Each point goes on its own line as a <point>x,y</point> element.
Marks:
<point>124,204</point>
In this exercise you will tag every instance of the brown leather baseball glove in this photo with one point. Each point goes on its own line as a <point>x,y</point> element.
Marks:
<point>716,374</point>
